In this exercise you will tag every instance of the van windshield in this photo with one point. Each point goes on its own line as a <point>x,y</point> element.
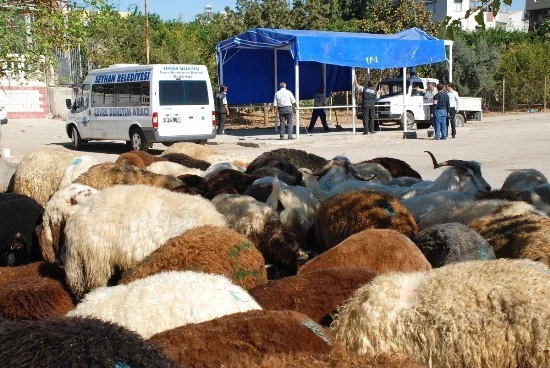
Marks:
<point>183,92</point>
<point>393,88</point>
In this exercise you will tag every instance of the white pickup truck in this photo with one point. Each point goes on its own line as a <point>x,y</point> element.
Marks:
<point>389,106</point>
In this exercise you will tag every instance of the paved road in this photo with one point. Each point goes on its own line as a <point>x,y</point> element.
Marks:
<point>500,143</point>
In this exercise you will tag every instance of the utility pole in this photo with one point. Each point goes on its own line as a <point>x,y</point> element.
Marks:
<point>146,33</point>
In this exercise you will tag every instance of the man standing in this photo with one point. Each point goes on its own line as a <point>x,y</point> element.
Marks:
<point>441,107</point>
<point>453,108</point>
<point>429,94</point>
<point>368,101</point>
<point>283,101</point>
<point>222,111</point>
<point>319,100</point>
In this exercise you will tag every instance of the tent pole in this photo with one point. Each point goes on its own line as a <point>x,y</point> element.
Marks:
<point>449,59</point>
<point>404,115</point>
<point>220,63</point>
<point>297,78</point>
<point>275,84</point>
<point>353,117</point>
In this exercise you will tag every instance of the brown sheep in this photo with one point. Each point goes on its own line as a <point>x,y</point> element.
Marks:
<point>208,249</point>
<point>109,174</point>
<point>300,158</point>
<point>244,337</point>
<point>260,192</point>
<point>396,167</point>
<point>348,213</point>
<point>195,182</point>
<point>316,294</point>
<point>379,250</point>
<point>516,236</point>
<point>139,159</point>
<point>228,182</point>
<point>33,291</point>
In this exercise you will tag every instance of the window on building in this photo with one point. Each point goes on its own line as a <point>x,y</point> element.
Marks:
<point>430,5</point>
<point>458,5</point>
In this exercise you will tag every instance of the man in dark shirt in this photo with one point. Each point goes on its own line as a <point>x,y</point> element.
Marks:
<point>441,106</point>
<point>368,102</point>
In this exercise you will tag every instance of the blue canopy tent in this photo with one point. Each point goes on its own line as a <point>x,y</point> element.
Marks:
<point>306,60</point>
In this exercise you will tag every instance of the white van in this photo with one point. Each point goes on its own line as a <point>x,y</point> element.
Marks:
<point>143,104</point>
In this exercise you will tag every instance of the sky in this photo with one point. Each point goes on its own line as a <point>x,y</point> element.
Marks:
<point>188,9</point>
<point>174,9</point>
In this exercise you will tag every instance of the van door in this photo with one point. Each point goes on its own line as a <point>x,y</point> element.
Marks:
<point>82,113</point>
<point>184,108</point>
<point>102,120</point>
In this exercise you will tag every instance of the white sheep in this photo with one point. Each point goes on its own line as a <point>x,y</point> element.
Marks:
<point>78,165</point>
<point>492,314</point>
<point>426,203</point>
<point>368,169</point>
<point>173,169</point>
<point>525,179</point>
<point>57,211</point>
<point>165,301</point>
<point>123,224</point>
<point>219,166</point>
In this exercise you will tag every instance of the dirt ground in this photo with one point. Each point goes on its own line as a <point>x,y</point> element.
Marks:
<point>501,143</point>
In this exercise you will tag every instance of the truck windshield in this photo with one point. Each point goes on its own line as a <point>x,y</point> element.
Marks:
<point>183,92</point>
<point>391,88</point>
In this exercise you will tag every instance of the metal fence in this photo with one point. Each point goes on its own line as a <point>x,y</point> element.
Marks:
<point>70,69</point>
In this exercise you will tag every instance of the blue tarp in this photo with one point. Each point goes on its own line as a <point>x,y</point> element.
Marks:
<point>246,62</point>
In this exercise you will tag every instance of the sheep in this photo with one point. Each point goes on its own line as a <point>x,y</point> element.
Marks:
<point>316,294</point>
<point>108,174</point>
<point>538,196</point>
<point>39,172</point>
<point>523,180</point>
<point>345,214</point>
<point>185,160</point>
<point>465,212</point>
<point>336,171</point>
<point>196,151</point>
<point>269,165</point>
<point>467,314</point>
<point>121,225</point>
<point>19,215</point>
<point>228,181</point>
<point>245,338</point>
<point>172,168</point>
<point>261,224</point>
<point>57,211</point>
<point>236,159</point>
<point>75,342</point>
<point>516,236</point>
<point>366,169</point>
<point>38,296</point>
<point>453,242</point>
<point>299,158</point>
<point>7,173</point>
<point>396,167</point>
<point>219,166</point>
<point>185,296</point>
<point>260,192</point>
<point>195,182</point>
<point>379,250</point>
<point>79,165</point>
<point>140,159</point>
<point>403,181</point>
<point>211,249</point>
<point>427,203</point>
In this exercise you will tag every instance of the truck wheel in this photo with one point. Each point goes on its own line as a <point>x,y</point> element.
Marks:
<point>423,125</point>
<point>137,140</point>
<point>409,120</point>
<point>460,120</point>
<point>76,141</point>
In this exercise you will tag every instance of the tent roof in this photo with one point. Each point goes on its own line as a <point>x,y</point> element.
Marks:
<point>410,47</point>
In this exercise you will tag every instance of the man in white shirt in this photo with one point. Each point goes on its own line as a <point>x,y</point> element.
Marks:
<point>453,104</point>
<point>282,103</point>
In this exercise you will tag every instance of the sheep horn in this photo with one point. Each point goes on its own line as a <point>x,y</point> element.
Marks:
<point>325,168</point>
<point>455,163</point>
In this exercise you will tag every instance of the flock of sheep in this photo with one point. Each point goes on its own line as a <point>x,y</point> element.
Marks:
<point>194,258</point>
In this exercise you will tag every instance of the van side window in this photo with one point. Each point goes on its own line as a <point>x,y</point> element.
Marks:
<point>183,92</point>
<point>144,96</point>
<point>83,98</point>
<point>103,95</point>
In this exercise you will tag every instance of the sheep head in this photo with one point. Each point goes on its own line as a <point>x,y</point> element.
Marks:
<point>470,179</point>
<point>343,168</point>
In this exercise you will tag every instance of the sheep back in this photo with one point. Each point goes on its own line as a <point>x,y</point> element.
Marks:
<point>316,294</point>
<point>208,249</point>
<point>379,250</point>
<point>453,242</point>
<point>516,236</point>
<point>139,159</point>
<point>524,179</point>
<point>109,174</point>
<point>75,342</point>
<point>345,214</point>
<point>7,174</point>
<point>185,160</point>
<point>39,173</point>
<point>468,314</point>
<point>78,166</point>
<point>396,167</point>
<point>245,337</point>
<point>300,158</point>
<point>184,297</point>
<point>196,151</point>
<point>121,225</point>
<point>19,215</point>
<point>172,168</point>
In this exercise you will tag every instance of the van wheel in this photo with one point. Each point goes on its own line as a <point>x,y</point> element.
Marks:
<point>409,120</point>
<point>167,144</point>
<point>76,141</point>
<point>460,120</point>
<point>137,140</point>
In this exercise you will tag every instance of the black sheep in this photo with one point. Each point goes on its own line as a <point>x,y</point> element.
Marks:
<point>187,161</point>
<point>75,342</point>
<point>19,215</point>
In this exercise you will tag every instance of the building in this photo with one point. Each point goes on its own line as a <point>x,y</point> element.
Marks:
<point>537,11</point>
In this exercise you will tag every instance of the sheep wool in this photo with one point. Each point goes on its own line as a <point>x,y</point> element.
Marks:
<point>121,225</point>
<point>211,249</point>
<point>173,169</point>
<point>78,166</point>
<point>165,301</point>
<point>193,150</point>
<point>139,159</point>
<point>39,173</point>
<point>492,314</point>
<point>7,172</point>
